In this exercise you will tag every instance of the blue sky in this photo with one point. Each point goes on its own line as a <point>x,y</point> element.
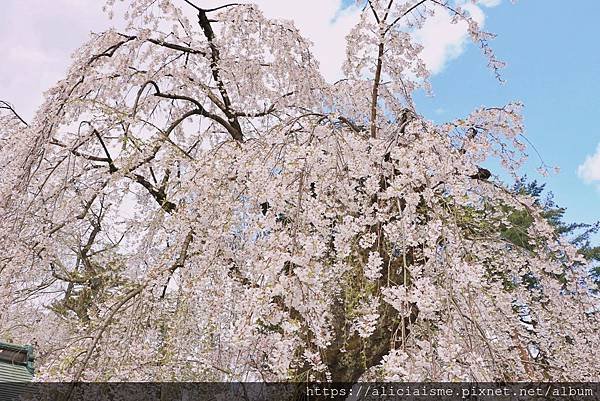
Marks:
<point>553,67</point>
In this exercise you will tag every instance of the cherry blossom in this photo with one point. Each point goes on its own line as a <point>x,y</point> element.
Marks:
<point>193,201</point>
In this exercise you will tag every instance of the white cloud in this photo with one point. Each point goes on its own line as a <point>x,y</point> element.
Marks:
<point>443,41</point>
<point>489,3</point>
<point>40,36</point>
<point>589,170</point>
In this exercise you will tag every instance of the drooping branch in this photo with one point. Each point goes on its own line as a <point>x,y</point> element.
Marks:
<point>7,106</point>
<point>110,51</point>
<point>159,194</point>
<point>105,324</point>
<point>64,98</point>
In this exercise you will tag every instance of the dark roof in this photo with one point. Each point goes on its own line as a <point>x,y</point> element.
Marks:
<point>16,363</point>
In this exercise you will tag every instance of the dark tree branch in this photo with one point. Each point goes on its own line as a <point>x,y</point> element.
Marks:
<point>180,260</point>
<point>374,12</point>
<point>352,126</point>
<point>159,194</point>
<point>193,5</point>
<point>165,180</point>
<point>215,57</point>
<point>109,52</point>
<point>236,274</point>
<point>174,46</point>
<point>169,45</point>
<point>7,106</point>
<point>208,10</point>
<point>69,278</point>
<point>269,110</point>
<point>111,165</point>
<point>375,94</point>
<point>234,131</point>
<point>403,15</point>
<point>55,142</point>
<point>220,7</point>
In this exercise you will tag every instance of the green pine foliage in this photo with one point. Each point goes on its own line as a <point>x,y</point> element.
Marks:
<point>580,234</point>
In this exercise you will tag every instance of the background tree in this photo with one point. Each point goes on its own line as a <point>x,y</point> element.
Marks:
<point>194,202</point>
<point>579,234</point>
